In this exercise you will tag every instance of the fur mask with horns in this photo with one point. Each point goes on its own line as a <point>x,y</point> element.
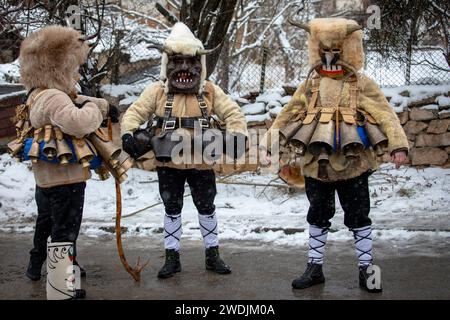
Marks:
<point>183,62</point>
<point>334,44</point>
<point>51,57</point>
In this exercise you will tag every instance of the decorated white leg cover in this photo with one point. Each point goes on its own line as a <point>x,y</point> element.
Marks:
<point>363,244</point>
<point>172,231</point>
<point>209,229</point>
<point>62,277</point>
<point>317,241</point>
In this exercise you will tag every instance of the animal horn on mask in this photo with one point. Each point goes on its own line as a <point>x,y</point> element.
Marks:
<point>352,28</point>
<point>300,24</point>
<point>208,51</point>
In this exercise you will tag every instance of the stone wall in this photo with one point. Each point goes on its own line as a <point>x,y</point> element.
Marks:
<point>426,123</point>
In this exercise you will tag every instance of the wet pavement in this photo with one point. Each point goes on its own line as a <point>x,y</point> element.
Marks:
<point>410,270</point>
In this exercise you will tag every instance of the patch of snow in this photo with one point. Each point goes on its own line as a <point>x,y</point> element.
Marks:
<point>268,97</point>
<point>254,108</point>
<point>258,117</point>
<point>284,100</point>
<point>128,100</point>
<point>275,111</point>
<point>273,104</point>
<point>430,107</point>
<point>10,72</point>
<point>443,101</point>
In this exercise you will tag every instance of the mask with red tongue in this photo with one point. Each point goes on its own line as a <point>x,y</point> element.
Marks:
<point>330,58</point>
<point>184,73</point>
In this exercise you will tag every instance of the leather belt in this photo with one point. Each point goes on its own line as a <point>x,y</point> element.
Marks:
<point>181,122</point>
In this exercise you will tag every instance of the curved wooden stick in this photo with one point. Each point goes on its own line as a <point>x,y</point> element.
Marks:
<point>135,271</point>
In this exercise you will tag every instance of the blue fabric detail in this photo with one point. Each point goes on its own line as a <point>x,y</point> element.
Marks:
<point>94,163</point>
<point>362,135</point>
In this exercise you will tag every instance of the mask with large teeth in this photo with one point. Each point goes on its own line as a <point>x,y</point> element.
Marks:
<point>184,73</point>
<point>330,57</point>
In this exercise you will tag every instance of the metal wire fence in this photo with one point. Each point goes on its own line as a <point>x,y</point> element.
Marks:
<point>427,67</point>
<point>126,46</point>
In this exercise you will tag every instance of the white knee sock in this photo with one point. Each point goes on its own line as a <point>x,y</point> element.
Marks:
<point>172,231</point>
<point>209,229</point>
<point>317,241</point>
<point>363,244</point>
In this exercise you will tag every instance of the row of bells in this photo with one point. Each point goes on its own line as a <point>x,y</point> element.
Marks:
<point>115,161</point>
<point>319,138</point>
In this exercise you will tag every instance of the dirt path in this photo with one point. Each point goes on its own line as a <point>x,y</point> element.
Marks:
<point>416,271</point>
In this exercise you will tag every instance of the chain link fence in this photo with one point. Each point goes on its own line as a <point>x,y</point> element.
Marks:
<point>269,71</point>
<point>126,49</point>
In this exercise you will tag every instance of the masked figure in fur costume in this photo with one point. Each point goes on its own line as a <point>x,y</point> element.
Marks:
<point>183,98</point>
<point>50,59</point>
<point>336,122</point>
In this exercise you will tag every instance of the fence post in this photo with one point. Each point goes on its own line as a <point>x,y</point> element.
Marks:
<point>263,69</point>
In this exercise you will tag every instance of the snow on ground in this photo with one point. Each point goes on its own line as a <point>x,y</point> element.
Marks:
<point>9,72</point>
<point>406,203</point>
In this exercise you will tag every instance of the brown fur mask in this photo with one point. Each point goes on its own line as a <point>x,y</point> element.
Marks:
<point>332,32</point>
<point>50,58</point>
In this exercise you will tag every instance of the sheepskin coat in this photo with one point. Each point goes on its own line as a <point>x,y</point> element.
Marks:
<point>370,100</point>
<point>49,60</point>
<point>153,99</point>
<point>54,107</point>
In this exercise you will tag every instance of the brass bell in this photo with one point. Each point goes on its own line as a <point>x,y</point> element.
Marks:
<point>64,153</point>
<point>102,172</point>
<point>107,149</point>
<point>122,178</point>
<point>323,161</point>
<point>287,132</point>
<point>350,142</point>
<point>120,171</point>
<point>49,149</point>
<point>14,147</point>
<point>82,151</point>
<point>125,160</point>
<point>301,139</point>
<point>322,139</point>
<point>377,138</point>
<point>33,154</point>
<point>323,157</point>
<point>114,163</point>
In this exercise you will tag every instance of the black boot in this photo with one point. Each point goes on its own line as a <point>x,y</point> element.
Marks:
<point>34,268</point>
<point>172,264</point>
<point>363,279</point>
<point>312,275</point>
<point>82,271</point>
<point>214,263</point>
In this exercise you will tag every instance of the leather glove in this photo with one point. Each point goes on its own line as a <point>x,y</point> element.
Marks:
<point>129,145</point>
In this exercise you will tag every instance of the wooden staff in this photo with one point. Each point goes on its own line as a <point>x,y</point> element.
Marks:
<point>135,271</point>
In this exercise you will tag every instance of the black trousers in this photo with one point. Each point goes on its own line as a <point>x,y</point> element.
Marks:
<point>353,195</point>
<point>201,182</point>
<point>60,210</point>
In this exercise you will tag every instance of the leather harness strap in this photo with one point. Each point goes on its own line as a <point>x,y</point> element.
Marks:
<point>170,123</point>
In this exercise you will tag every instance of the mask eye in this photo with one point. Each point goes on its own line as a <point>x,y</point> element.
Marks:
<point>336,50</point>
<point>326,50</point>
